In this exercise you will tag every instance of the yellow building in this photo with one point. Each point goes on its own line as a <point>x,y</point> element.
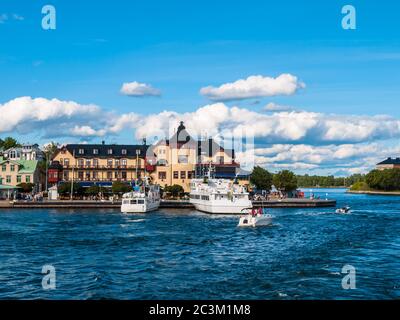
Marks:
<point>101,164</point>
<point>181,158</point>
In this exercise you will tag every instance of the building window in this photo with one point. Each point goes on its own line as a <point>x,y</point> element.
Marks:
<point>66,175</point>
<point>190,174</point>
<point>124,151</point>
<point>87,175</point>
<point>124,175</point>
<point>13,154</point>
<point>19,180</point>
<point>66,162</point>
<point>162,175</point>
<point>109,163</point>
<point>116,175</point>
<point>80,175</point>
<point>124,162</point>
<point>80,162</point>
<point>109,151</point>
<point>4,167</point>
<point>12,167</point>
<point>95,175</point>
<point>183,159</point>
<point>176,175</point>
<point>28,179</point>
<point>162,162</point>
<point>183,174</point>
<point>117,162</point>
<point>109,175</point>
<point>87,162</point>
<point>8,179</point>
<point>95,151</point>
<point>95,162</point>
<point>81,151</point>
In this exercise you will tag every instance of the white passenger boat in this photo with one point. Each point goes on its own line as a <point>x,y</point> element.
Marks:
<point>219,196</point>
<point>144,198</point>
<point>255,218</point>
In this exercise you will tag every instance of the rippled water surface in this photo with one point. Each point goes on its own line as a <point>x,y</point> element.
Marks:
<point>183,254</point>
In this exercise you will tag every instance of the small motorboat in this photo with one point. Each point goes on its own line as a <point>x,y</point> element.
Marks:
<point>343,210</point>
<point>255,219</point>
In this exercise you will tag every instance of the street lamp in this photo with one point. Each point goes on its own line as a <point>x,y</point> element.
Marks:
<point>137,162</point>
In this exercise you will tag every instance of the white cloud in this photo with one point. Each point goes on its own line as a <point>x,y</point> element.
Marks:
<point>26,110</point>
<point>87,131</point>
<point>137,89</point>
<point>254,87</point>
<point>273,107</point>
<point>329,159</point>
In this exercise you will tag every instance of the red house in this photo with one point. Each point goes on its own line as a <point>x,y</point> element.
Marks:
<point>54,173</point>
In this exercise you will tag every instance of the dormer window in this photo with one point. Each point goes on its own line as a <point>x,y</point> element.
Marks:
<point>124,151</point>
<point>110,151</point>
<point>81,151</point>
<point>95,151</point>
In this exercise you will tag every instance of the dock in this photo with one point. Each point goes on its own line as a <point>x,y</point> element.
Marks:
<point>172,204</point>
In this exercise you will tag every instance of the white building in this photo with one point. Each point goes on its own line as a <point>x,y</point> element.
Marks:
<point>26,152</point>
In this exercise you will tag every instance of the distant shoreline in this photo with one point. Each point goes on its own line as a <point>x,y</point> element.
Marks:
<point>372,192</point>
<point>339,187</point>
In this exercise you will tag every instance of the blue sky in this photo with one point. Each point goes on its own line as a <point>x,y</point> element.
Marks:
<point>180,47</point>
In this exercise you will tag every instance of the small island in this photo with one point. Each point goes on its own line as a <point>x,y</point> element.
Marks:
<point>384,180</point>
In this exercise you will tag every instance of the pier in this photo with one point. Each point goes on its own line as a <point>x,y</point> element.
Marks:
<point>172,204</point>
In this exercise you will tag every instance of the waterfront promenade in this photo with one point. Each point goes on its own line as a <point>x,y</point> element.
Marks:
<point>173,204</point>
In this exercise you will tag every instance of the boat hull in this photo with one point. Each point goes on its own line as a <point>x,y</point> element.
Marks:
<point>257,221</point>
<point>140,208</point>
<point>221,209</point>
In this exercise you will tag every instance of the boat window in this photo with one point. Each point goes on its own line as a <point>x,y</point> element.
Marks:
<point>141,201</point>
<point>133,201</point>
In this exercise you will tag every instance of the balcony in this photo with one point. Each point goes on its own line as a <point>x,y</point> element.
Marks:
<point>98,167</point>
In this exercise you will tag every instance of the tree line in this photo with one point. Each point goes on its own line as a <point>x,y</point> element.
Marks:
<point>328,181</point>
<point>385,180</point>
<point>286,180</point>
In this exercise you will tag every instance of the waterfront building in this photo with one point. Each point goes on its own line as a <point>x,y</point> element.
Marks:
<point>389,163</point>
<point>54,173</point>
<point>15,172</point>
<point>25,152</point>
<point>98,164</point>
<point>179,159</point>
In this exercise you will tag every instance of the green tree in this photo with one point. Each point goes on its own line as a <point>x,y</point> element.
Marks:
<point>386,180</point>
<point>50,149</point>
<point>285,180</point>
<point>93,190</point>
<point>65,188</point>
<point>9,142</point>
<point>120,187</point>
<point>175,190</point>
<point>261,178</point>
<point>26,187</point>
<point>360,186</point>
